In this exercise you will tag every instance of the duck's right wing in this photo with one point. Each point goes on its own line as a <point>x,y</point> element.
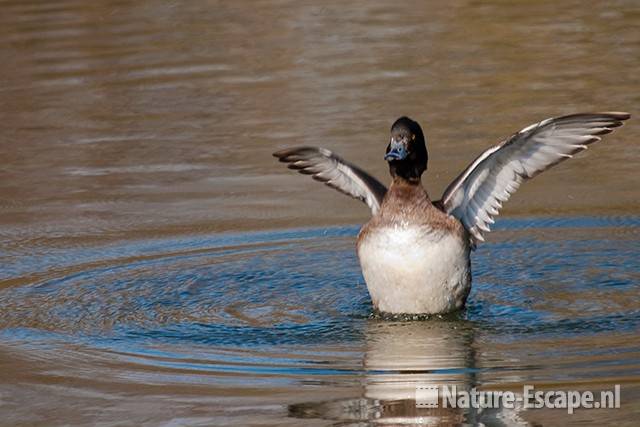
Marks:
<point>324,166</point>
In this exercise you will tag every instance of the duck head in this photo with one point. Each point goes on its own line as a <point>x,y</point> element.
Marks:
<point>407,151</point>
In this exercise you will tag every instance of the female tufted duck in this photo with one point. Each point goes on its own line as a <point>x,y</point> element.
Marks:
<point>415,253</point>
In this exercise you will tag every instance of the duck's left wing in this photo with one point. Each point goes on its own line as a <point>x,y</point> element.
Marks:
<point>326,167</point>
<point>476,196</point>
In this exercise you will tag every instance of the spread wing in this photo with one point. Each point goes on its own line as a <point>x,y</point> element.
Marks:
<point>324,166</point>
<point>476,196</point>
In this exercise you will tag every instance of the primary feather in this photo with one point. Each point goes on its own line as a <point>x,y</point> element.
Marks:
<point>476,195</point>
<point>335,172</point>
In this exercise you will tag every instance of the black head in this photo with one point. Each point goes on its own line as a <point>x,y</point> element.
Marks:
<point>407,151</point>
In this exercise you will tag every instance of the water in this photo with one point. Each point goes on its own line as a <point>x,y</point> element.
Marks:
<point>158,267</point>
<point>277,324</point>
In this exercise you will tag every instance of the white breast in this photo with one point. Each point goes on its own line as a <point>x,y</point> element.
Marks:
<point>415,269</point>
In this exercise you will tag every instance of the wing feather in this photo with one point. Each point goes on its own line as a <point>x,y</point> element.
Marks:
<point>328,168</point>
<point>477,194</point>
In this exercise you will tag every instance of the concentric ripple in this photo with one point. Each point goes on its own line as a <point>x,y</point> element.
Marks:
<point>287,308</point>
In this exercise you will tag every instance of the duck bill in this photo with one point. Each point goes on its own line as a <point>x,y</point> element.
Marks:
<point>397,151</point>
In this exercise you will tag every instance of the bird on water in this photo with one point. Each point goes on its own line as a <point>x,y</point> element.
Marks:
<point>415,252</point>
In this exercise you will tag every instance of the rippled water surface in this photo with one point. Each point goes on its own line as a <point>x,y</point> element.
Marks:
<point>275,327</point>
<point>158,267</point>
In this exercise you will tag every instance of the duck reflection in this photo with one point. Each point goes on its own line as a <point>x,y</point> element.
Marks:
<point>399,357</point>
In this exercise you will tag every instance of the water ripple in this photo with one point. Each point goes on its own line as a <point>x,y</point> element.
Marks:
<point>273,303</point>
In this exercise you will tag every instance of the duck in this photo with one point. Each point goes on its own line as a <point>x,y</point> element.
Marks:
<point>415,252</point>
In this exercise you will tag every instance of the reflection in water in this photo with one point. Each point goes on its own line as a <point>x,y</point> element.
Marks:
<point>399,358</point>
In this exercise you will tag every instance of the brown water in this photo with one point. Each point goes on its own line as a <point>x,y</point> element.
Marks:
<point>140,282</point>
